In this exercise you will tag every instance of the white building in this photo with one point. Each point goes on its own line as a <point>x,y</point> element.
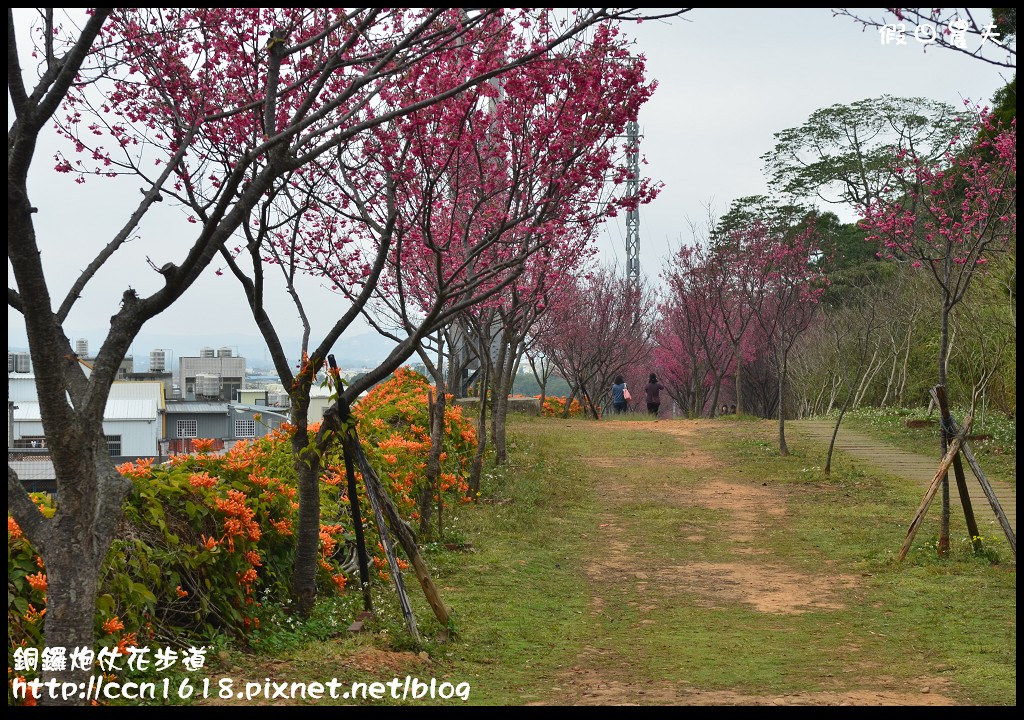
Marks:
<point>319,400</point>
<point>211,377</point>
<point>133,419</point>
<point>157,360</point>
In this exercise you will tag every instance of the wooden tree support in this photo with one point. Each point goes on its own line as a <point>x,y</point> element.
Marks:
<point>986,486</point>
<point>357,522</point>
<point>400,528</point>
<point>372,492</point>
<point>939,394</point>
<point>947,460</point>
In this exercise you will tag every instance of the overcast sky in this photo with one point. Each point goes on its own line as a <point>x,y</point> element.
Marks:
<point>728,79</point>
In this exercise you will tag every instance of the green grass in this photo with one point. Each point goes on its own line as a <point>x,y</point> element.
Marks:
<point>959,612</point>
<point>577,573</point>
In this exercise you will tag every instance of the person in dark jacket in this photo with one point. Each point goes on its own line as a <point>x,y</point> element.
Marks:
<point>619,395</point>
<point>653,391</point>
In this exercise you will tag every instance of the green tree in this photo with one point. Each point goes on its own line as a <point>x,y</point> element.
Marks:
<point>1004,103</point>
<point>844,154</point>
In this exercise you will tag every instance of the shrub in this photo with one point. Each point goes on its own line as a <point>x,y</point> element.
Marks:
<point>554,406</point>
<point>206,539</point>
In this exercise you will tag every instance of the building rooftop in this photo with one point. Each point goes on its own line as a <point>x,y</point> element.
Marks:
<point>192,406</point>
<point>116,409</point>
<point>21,389</point>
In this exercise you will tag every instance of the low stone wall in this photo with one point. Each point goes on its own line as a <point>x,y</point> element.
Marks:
<point>524,405</point>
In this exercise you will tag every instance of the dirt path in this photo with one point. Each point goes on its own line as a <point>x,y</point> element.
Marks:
<point>748,576</point>
<point>918,468</point>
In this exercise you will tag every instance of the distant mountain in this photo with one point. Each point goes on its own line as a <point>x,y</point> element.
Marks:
<point>363,350</point>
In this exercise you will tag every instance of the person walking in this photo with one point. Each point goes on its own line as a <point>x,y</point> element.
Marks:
<point>620,395</point>
<point>653,391</point>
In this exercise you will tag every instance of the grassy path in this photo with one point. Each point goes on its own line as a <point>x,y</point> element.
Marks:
<point>917,468</point>
<point>684,562</point>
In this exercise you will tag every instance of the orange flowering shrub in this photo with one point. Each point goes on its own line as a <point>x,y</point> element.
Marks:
<point>554,406</point>
<point>205,539</point>
<point>203,542</point>
<point>395,429</point>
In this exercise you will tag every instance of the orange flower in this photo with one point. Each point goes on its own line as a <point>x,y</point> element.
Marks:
<point>202,445</point>
<point>208,542</point>
<point>283,526</point>
<point>37,581</point>
<point>13,529</point>
<point>203,479</point>
<point>339,581</point>
<point>32,615</point>
<point>139,469</point>
<point>127,640</point>
<point>30,694</point>
<point>256,479</point>
<point>112,625</point>
<point>181,593</point>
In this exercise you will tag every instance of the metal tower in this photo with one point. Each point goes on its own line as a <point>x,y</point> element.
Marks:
<point>632,190</point>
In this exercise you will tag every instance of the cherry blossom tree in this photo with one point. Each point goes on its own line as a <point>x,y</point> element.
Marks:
<point>603,327</point>
<point>213,110</point>
<point>553,129</point>
<point>786,308</point>
<point>694,280</point>
<point>951,217</point>
<point>678,354</point>
<point>470,202</point>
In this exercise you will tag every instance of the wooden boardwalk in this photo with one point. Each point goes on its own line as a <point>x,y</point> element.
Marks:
<point>919,468</point>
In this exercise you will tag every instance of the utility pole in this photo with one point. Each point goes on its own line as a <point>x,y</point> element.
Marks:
<point>632,190</point>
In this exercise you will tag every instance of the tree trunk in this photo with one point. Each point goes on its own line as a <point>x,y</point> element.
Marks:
<point>943,548</point>
<point>958,471</point>
<point>307,541</point>
<point>500,421</point>
<point>499,409</point>
<point>835,432</point>
<point>739,380</point>
<point>435,411</point>
<point>947,458</point>
<point>591,405</point>
<point>783,450</point>
<point>568,402</point>
<point>71,573</point>
<point>481,445</point>
<point>715,395</point>
<point>357,525</point>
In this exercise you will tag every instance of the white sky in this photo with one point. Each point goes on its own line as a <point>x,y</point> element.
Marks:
<point>728,79</point>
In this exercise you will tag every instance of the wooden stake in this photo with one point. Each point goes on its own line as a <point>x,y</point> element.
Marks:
<point>385,539</point>
<point>947,460</point>
<point>357,522</point>
<point>402,531</point>
<point>939,393</point>
<point>989,492</point>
